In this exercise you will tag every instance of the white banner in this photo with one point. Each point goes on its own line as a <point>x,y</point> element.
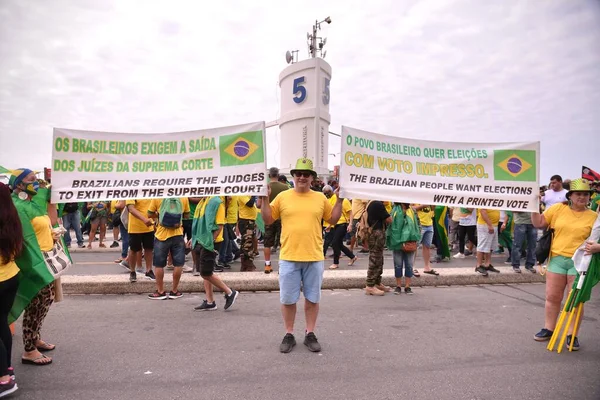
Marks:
<point>500,176</point>
<point>90,166</point>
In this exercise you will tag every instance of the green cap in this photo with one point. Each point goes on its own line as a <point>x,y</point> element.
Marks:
<point>579,185</point>
<point>304,164</point>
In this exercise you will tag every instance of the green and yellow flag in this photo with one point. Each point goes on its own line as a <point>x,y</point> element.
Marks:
<point>241,149</point>
<point>515,165</point>
<point>441,227</point>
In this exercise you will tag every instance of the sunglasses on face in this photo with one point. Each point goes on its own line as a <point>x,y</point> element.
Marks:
<point>304,174</point>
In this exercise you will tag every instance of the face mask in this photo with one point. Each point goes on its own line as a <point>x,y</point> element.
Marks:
<point>32,188</point>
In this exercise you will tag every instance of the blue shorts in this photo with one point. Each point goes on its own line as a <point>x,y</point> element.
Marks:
<point>175,245</point>
<point>427,235</point>
<point>294,274</point>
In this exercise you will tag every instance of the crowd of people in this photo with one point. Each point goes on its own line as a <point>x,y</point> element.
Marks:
<point>300,219</point>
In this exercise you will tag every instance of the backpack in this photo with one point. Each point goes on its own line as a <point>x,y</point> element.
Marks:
<point>363,229</point>
<point>544,244</point>
<point>170,214</point>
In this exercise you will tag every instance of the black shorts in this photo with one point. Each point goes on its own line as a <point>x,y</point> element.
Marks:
<point>271,232</point>
<point>139,240</point>
<point>187,228</point>
<point>206,259</point>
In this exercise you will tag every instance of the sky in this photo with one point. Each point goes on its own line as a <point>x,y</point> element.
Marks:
<point>452,70</point>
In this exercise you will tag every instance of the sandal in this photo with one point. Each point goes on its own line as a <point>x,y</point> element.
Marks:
<point>36,361</point>
<point>431,272</point>
<point>334,266</point>
<point>351,262</point>
<point>43,346</point>
<point>416,273</point>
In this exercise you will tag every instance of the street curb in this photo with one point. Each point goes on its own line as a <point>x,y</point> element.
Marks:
<point>258,281</point>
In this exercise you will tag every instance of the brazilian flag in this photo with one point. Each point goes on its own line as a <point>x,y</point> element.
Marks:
<point>441,225</point>
<point>505,239</point>
<point>515,165</point>
<point>241,149</point>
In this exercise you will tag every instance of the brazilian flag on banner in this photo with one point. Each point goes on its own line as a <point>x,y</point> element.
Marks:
<point>241,149</point>
<point>515,165</point>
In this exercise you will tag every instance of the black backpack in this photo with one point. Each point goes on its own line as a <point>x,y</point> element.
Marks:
<point>544,244</point>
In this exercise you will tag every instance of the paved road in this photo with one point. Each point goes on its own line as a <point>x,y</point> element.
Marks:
<point>443,343</point>
<point>98,263</point>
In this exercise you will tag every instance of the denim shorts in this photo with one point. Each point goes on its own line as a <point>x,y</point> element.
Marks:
<point>427,235</point>
<point>406,260</point>
<point>175,245</point>
<point>294,274</point>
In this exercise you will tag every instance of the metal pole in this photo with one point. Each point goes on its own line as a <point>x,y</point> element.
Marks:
<point>313,40</point>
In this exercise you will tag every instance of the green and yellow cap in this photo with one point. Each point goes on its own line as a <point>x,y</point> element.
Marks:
<point>579,185</point>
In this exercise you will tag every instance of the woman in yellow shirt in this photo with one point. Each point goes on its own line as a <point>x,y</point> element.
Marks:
<point>339,230</point>
<point>572,224</point>
<point>11,245</point>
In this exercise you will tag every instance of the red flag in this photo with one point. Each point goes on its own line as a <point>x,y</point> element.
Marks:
<point>589,174</point>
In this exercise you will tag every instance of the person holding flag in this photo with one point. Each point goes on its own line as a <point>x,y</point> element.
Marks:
<point>572,224</point>
<point>36,284</point>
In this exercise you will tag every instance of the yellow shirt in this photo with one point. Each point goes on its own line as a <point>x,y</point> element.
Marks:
<point>232,211</point>
<point>425,216</point>
<point>358,208</point>
<point>571,228</point>
<point>113,206</point>
<point>9,270</point>
<point>245,211</point>
<point>301,215</point>
<point>332,200</point>
<point>136,225</point>
<point>388,206</point>
<point>163,233</point>
<point>43,232</point>
<point>219,218</point>
<point>493,216</point>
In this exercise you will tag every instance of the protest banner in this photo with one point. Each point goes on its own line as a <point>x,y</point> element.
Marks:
<point>92,166</point>
<point>500,176</point>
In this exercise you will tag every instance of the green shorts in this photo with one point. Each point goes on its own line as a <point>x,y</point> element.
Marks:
<point>562,265</point>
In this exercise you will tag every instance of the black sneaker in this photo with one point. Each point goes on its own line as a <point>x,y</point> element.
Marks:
<point>226,266</point>
<point>543,335</point>
<point>114,244</point>
<point>132,277</point>
<point>150,275</point>
<point>206,306</point>
<point>158,296</point>
<point>398,290</point>
<point>310,341</point>
<point>482,270</point>
<point>468,253</point>
<point>492,269</point>
<point>230,299</point>
<point>288,343</point>
<point>218,268</point>
<point>575,342</point>
<point>408,290</point>
<point>7,388</point>
<point>517,270</point>
<point>175,295</point>
<point>531,269</point>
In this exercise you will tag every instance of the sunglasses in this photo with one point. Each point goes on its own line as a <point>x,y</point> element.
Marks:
<point>304,174</point>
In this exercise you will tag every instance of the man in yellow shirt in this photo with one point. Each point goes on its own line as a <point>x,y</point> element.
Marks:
<point>229,249</point>
<point>487,240</point>
<point>301,211</point>
<point>247,226</point>
<point>141,235</point>
<point>207,237</point>
<point>170,214</point>
<point>425,214</point>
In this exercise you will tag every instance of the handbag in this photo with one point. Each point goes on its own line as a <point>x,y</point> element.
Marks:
<point>409,247</point>
<point>116,218</point>
<point>544,244</point>
<point>57,261</point>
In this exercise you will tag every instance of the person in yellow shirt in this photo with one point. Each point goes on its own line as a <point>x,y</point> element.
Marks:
<point>247,227</point>
<point>207,238</point>
<point>115,215</point>
<point>229,250</point>
<point>487,240</point>
<point>301,211</point>
<point>11,246</point>
<point>169,214</point>
<point>425,214</point>
<point>572,224</point>
<point>141,235</point>
<point>338,231</point>
<point>358,208</point>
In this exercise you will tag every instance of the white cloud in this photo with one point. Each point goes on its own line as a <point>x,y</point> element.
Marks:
<point>440,70</point>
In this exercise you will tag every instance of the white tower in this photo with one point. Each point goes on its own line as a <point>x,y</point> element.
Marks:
<point>304,117</point>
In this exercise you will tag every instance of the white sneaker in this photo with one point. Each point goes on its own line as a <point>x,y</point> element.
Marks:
<point>170,267</point>
<point>187,269</point>
<point>459,255</point>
